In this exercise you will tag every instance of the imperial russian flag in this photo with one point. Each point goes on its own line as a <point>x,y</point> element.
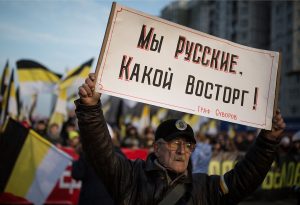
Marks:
<point>30,165</point>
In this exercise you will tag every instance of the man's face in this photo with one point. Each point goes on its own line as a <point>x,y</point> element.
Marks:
<point>175,154</point>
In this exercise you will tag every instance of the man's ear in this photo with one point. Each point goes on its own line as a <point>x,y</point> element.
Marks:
<point>155,148</point>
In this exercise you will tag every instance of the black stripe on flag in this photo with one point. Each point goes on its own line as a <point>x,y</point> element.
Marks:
<point>79,70</point>
<point>29,64</point>
<point>11,142</point>
<point>4,75</point>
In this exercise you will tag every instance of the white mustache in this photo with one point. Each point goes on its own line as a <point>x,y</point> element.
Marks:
<point>179,158</point>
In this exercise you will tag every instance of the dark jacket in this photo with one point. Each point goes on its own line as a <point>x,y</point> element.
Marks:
<point>139,182</point>
<point>92,189</point>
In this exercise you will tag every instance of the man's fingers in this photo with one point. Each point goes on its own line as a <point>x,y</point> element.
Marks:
<point>87,89</point>
<point>82,92</point>
<point>92,76</point>
<point>90,83</point>
<point>278,122</point>
<point>87,92</point>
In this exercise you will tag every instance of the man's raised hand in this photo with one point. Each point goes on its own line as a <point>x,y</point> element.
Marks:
<point>86,91</point>
<point>278,127</point>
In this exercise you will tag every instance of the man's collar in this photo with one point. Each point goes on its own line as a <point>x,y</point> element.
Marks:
<point>152,164</point>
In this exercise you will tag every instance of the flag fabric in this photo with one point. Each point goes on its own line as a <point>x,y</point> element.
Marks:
<point>13,104</point>
<point>231,132</point>
<point>19,102</point>
<point>141,117</point>
<point>35,78</point>
<point>30,165</point>
<point>59,114</point>
<point>4,83</point>
<point>106,107</point>
<point>4,106</point>
<point>10,104</point>
<point>192,120</point>
<point>4,79</point>
<point>186,118</point>
<point>195,122</point>
<point>212,128</point>
<point>130,103</point>
<point>144,119</point>
<point>75,77</point>
<point>135,121</point>
<point>32,106</point>
<point>72,79</point>
<point>160,116</point>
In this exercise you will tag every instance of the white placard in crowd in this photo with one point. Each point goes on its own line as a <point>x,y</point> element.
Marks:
<point>151,60</point>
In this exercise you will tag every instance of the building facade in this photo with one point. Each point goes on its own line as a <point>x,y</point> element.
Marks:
<point>271,25</point>
<point>285,38</point>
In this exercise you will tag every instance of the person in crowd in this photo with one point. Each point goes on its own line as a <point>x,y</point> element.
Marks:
<point>41,128</point>
<point>295,153</point>
<point>285,145</point>
<point>283,155</point>
<point>240,142</point>
<point>148,138</point>
<point>222,139</point>
<point>295,149</point>
<point>74,140</point>
<point>132,139</point>
<point>68,126</point>
<point>217,151</point>
<point>202,154</point>
<point>250,137</point>
<point>165,177</point>
<point>117,136</point>
<point>53,134</point>
<point>230,145</point>
<point>26,122</point>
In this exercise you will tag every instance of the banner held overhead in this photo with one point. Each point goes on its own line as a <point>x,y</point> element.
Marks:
<point>154,61</point>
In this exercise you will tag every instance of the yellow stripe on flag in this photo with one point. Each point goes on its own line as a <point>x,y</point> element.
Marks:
<point>36,75</point>
<point>69,79</point>
<point>59,114</point>
<point>24,171</point>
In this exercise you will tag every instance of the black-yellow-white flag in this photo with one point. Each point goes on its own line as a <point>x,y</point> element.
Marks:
<point>35,78</point>
<point>10,103</point>
<point>71,80</point>
<point>76,76</point>
<point>4,83</point>
<point>30,165</point>
<point>59,114</point>
<point>4,79</point>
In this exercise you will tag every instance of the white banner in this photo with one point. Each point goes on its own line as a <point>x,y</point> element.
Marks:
<point>151,60</point>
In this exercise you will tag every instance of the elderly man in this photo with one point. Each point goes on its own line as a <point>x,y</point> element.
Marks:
<point>166,177</point>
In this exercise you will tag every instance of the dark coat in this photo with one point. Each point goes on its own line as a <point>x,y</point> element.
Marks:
<point>92,190</point>
<point>146,183</point>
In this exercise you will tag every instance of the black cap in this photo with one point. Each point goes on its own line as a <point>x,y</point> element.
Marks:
<point>170,129</point>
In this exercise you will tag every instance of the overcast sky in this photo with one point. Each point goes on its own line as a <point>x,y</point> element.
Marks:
<point>60,34</point>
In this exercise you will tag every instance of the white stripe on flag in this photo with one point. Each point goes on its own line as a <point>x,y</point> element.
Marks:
<point>61,106</point>
<point>47,175</point>
<point>34,87</point>
<point>12,107</point>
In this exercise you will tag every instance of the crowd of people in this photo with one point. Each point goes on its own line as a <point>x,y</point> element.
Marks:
<point>127,136</point>
<point>208,147</point>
